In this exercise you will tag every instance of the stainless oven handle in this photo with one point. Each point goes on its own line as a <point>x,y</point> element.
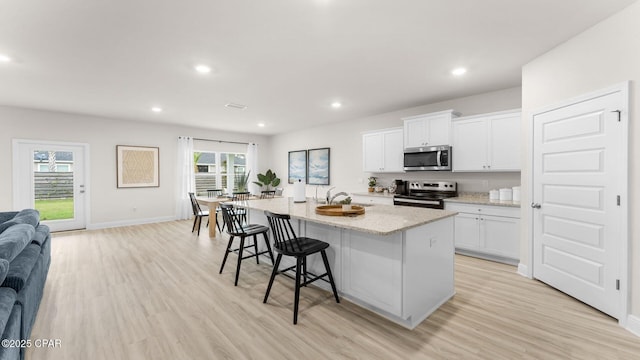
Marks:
<point>438,158</point>
<point>412,201</point>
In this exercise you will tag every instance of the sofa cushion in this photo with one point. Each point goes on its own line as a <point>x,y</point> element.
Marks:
<point>41,235</point>
<point>14,239</point>
<point>7,215</point>
<point>7,300</point>
<point>26,216</point>
<point>20,268</point>
<point>4,269</point>
<point>12,332</point>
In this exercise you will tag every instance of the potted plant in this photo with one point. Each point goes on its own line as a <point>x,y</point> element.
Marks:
<point>267,179</point>
<point>346,204</point>
<point>241,182</point>
<point>372,183</point>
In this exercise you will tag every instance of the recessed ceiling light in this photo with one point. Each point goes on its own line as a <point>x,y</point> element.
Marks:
<point>236,106</point>
<point>202,69</point>
<point>156,109</point>
<point>260,124</point>
<point>4,58</point>
<point>336,105</point>
<point>458,71</point>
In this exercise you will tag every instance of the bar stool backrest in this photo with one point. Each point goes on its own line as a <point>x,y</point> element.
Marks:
<point>231,219</point>
<point>283,234</point>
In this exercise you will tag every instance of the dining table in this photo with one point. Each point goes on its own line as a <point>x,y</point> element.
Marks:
<point>212,202</point>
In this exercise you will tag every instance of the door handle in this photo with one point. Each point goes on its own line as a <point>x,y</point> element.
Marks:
<point>536,205</point>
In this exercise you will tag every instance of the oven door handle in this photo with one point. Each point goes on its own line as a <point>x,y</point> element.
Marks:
<point>439,158</point>
<point>412,201</point>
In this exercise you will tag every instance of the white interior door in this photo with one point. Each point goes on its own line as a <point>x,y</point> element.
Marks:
<point>578,160</point>
<point>50,177</point>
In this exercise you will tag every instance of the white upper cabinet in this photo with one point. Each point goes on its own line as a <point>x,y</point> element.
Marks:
<point>487,142</point>
<point>382,151</point>
<point>428,129</point>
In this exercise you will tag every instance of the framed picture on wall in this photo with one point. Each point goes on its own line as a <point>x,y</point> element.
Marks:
<point>297,166</point>
<point>318,165</point>
<point>137,166</point>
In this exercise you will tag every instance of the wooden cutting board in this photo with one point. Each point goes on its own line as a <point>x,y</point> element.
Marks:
<point>336,210</point>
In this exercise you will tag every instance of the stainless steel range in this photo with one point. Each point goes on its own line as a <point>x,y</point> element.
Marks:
<point>428,194</point>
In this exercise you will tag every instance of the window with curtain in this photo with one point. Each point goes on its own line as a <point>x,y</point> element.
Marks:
<point>218,170</point>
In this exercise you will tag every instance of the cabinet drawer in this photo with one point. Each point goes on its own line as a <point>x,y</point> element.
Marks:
<point>507,211</point>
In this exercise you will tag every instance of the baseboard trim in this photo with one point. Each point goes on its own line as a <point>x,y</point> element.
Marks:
<point>633,325</point>
<point>523,270</point>
<point>112,224</point>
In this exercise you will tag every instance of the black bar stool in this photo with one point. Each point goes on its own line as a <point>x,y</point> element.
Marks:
<point>287,243</point>
<point>236,229</point>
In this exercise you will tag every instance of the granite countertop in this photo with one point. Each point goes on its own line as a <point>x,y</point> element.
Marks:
<point>482,199</point>
<point>377,219</point>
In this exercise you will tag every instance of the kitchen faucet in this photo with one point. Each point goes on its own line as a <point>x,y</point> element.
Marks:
<point>326,199</point>
<point>331,198</point>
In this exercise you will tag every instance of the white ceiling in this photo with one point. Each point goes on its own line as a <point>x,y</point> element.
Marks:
<point>287,60</point>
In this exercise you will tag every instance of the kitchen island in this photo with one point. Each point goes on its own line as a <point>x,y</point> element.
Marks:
<point>396,261</point>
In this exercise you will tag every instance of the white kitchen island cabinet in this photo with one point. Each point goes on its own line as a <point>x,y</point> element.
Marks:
<point>393,260</point>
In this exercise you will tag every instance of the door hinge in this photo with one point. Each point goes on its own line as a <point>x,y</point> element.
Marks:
<point>619,114</point>
<point>618,200</point>
<point>617,284</point>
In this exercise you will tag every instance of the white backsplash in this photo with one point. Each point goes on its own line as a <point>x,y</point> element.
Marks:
<point>467,182</point>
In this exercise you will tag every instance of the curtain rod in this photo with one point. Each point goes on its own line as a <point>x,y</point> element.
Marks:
<point>223,141</point>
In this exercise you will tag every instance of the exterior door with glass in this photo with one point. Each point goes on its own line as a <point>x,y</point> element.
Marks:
<point>50,177</point>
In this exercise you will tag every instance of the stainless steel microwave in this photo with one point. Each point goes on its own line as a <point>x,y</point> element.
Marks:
<point>434,158</point>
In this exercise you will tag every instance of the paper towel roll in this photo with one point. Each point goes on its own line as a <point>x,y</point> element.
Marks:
<point>299,195</point>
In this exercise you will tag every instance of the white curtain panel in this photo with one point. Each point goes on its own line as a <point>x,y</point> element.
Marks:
<point>252,165</point>
<point>186,181</point>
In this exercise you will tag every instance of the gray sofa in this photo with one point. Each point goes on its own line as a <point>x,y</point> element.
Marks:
<point>25,255</point>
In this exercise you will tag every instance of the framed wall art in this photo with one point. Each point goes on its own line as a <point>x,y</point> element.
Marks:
<point>297,166</point>
<point>137,166</point>
<point>318,165</point>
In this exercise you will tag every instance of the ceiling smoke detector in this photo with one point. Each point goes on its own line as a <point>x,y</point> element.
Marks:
<point>236,106</point>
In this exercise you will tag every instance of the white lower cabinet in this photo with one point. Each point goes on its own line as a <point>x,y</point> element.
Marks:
<point>488,231</point>
<point>372,269</point>
<point>333,236</point>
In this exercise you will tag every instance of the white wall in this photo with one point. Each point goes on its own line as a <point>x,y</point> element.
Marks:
<point>345,141</point>
<point>606,54</point>
<point>109,205</point>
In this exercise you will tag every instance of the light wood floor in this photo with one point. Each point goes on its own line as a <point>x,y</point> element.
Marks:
<point>154,292</point>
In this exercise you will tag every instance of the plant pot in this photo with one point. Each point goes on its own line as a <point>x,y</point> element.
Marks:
<point>370,189</point>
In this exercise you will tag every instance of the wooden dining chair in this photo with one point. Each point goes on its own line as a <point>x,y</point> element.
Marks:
<point>241,196</point>
<point>198,213</point>
<point>235,228</point>
<point>216,193</point>
<point>267,194</point>
<point>287,243</point>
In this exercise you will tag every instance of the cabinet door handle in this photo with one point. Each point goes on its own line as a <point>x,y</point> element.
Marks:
<point>536,205</point>
<point>484,166</point>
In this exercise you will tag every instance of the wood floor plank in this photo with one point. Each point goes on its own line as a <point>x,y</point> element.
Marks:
<point>153,292</point>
